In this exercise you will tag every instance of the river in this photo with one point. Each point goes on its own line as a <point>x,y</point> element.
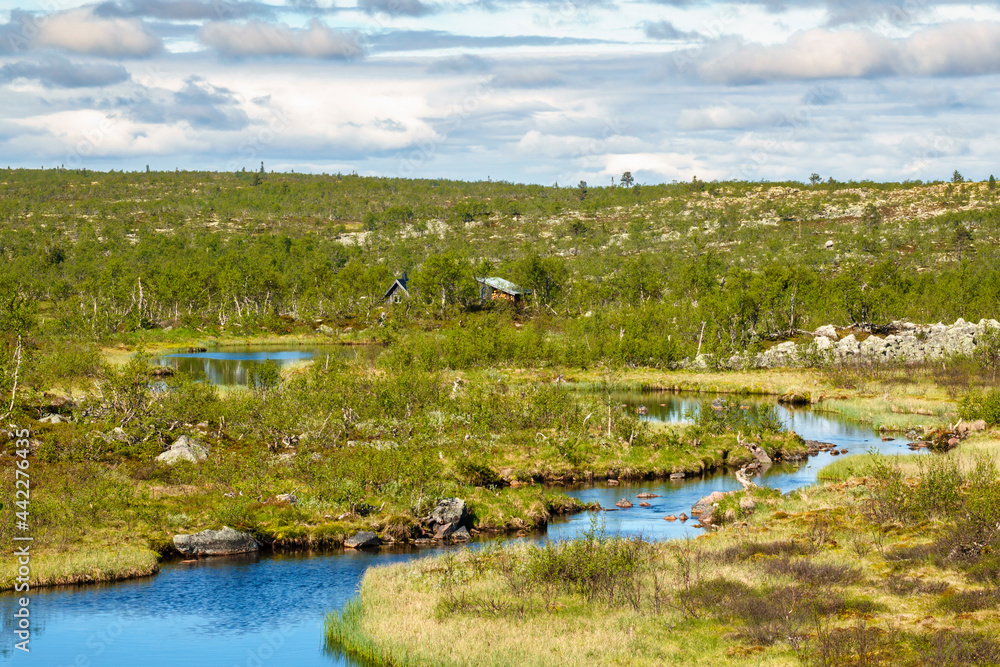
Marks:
<point>268,610</point>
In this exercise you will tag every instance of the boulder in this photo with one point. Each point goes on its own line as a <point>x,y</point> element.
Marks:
<point>612,482</point>
<point>747,503</point>
<point>444,531</point>
<point>624,504</point>
<point>448,510</point>
<point>362,540</point>
<point>677,475</point>
<point>759,454</point>
<point>647,495</point>
<point>184,449</point>
<point>827,331</point>
<point>461,535</point>
<point>51,419</point>
<point>707,503</point>
<point>325,329</point>
<point>289,498</point>
<point>670,517</point>
<point>225,542</point>
<point>683,517</point>
<point>644,505</point>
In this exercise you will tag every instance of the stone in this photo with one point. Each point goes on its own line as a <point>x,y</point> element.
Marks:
<point>953,442</point>
<point>759,454</point>
<point>225,542</point>
<point>647,495</point>
<point>644,505</point>
<point>444,531</point>
<point>730,515</point>
<point>670,517</point>
<point>747,503</point>
<point>707,503</point>
<point>683,517</point>
<point>51,419</point>
<point>184,449</point>
<point>624,504</point>
<point>828,245</point>
<point>677,475</point>
<point>827,331</point>
<point>448,510</point>
<point>612,482</point>
<point>362,540</point>
<point>461,535</point>
<point>289,498</point>
<point>324,329</point>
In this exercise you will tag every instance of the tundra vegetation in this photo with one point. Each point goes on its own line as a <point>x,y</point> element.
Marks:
<point>478,401</point>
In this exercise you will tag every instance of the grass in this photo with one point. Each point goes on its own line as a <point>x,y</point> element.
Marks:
<point>893,414</point>
<point>84,566</point>
<point>800,580</point>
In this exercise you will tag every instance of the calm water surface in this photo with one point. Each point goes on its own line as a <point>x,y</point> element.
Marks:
<point>227,366</point>
<point>257,611</point>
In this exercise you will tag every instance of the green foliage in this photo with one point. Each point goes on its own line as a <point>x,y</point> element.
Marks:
<point>980,405</point>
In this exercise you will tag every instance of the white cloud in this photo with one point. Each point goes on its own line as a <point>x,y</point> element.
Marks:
<point>959,48</point>
<point>256,38</point>
<point>79,31</point>
<point>722,117</point>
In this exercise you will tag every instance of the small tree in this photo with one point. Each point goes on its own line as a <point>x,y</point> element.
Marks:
<point>987,353</point>
<point>962,239</point>
<point>582,190</point>
<point>992,184</point>
<point>814,179</point>
<point>957,177</point>
<point>871,218</point>
<point>627,180</point>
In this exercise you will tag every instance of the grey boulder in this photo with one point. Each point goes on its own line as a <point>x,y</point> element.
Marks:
<point>184,449</point>
<point>362,540</point>
<point>225,542</point>
<point>448,510</point>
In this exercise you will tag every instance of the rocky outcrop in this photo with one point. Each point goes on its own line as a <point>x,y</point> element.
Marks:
<point>184,449</point>
<point>905,342</point>
<point>225,542</point>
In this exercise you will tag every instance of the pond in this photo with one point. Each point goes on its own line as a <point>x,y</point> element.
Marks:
<point>268,610</point>
<point>229,366</point>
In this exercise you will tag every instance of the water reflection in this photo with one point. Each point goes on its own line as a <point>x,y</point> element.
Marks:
<point>229,367</point>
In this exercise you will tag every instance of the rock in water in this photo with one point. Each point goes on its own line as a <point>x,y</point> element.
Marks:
<point>448,510</point>
<point>670,517</point>
<point>625,504</point>
<point>683,517</point>
<point>362,540</point>
<point>461,535</point>
<point>225,542</point>
<point>184,449</point>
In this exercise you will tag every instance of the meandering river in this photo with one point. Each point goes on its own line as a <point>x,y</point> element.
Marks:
<point>268,610</point>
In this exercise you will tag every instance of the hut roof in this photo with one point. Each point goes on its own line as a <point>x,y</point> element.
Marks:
<point>504,286</point>
<point>398,283</point>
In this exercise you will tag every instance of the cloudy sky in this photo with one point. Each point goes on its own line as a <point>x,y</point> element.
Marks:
<point>523,90</point>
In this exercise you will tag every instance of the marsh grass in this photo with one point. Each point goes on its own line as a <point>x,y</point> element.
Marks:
<point>790,588</point>
<point>84,566</point>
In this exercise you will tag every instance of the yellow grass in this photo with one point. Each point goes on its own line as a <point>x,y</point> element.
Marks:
<point>83,566</point>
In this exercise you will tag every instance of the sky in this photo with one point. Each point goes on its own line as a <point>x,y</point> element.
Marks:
<point>531,91</point>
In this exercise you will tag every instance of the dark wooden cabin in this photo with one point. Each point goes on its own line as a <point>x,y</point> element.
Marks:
<point>397,291</point>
